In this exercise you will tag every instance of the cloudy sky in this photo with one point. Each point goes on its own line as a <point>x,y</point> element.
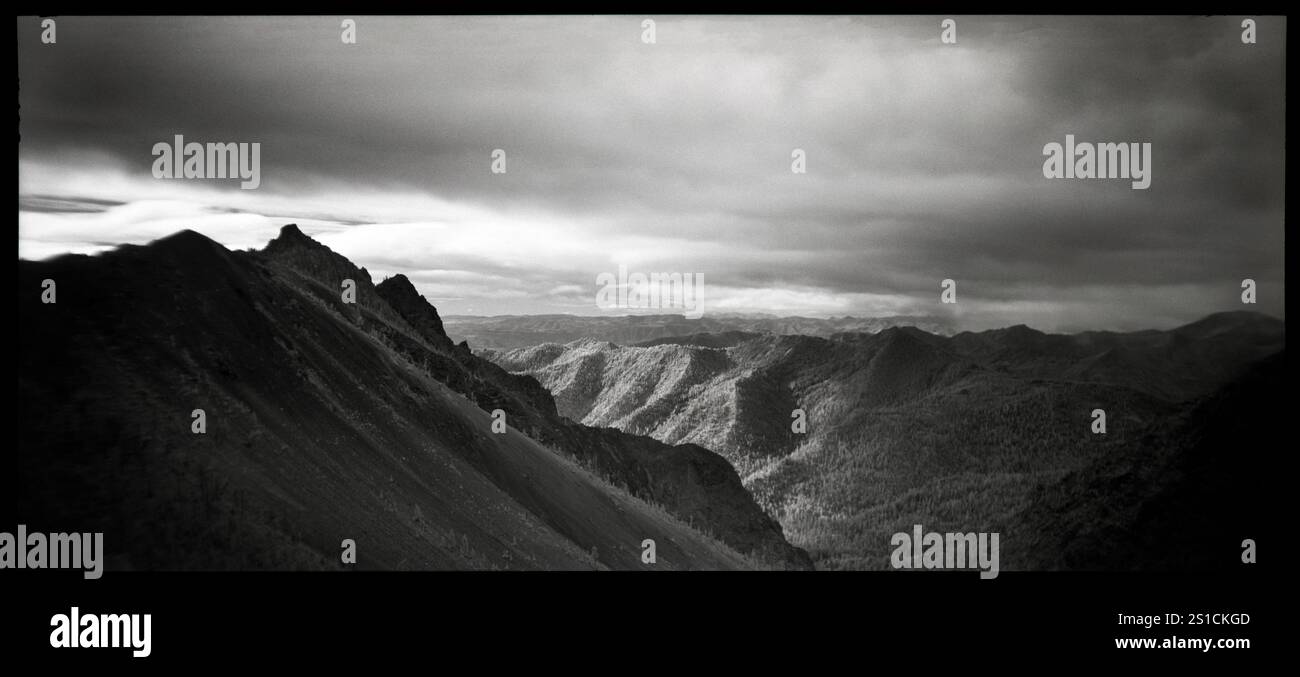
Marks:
<point>924,160</point>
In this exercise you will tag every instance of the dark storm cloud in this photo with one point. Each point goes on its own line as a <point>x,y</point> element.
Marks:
<point>924,159</point>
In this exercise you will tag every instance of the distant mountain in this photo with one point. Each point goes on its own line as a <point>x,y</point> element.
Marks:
<point>903,426</point>
<point>507,332</point>
<point>327,421</point>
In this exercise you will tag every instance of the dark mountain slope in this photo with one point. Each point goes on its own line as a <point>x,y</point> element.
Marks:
<point>690,481</point>
<point>320,426</point>
<point>1183,499</point>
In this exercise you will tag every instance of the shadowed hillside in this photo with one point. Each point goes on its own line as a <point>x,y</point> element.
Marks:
<point>1184,499</point>
<point>328,421</point>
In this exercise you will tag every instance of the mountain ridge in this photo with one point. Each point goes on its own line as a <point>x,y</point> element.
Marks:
<point>327,420</point>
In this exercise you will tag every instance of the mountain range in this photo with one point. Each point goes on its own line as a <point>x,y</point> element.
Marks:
<point>217,409</point>
<point>988,431</point>
<point>507,332</point>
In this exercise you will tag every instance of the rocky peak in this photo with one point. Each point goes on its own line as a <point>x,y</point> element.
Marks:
<point>402,297</point>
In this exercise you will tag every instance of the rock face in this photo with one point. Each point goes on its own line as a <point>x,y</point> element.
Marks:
<point>328,420</point>
<point>296,252</point>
